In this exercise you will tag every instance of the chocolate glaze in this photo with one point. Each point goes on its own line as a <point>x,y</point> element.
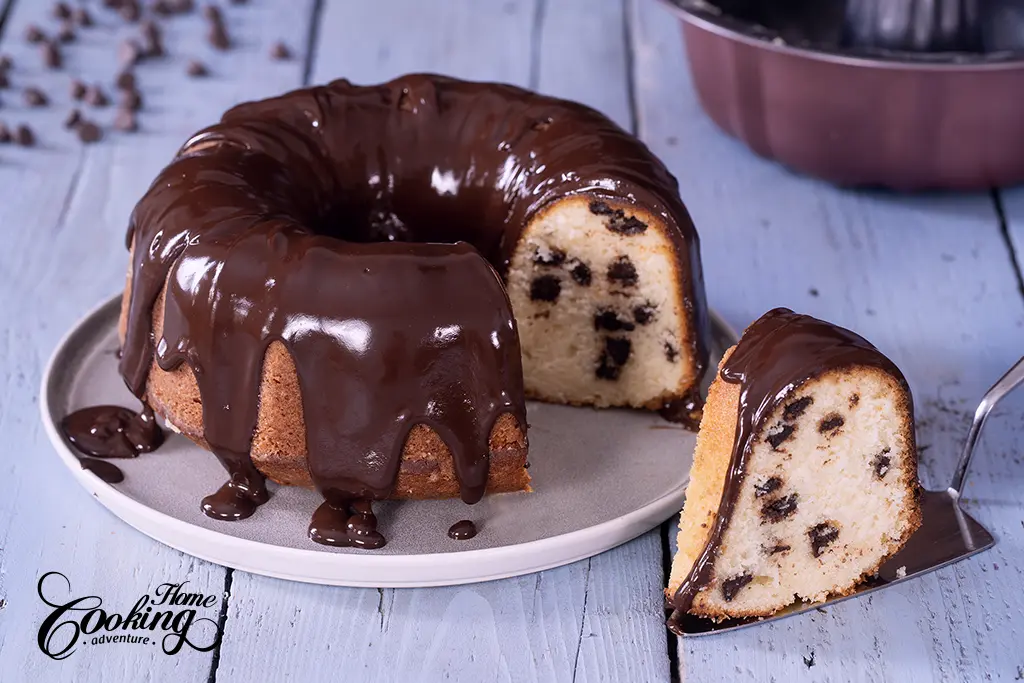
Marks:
<point>111,432</point>
<point>463,530</point>
<point>107,471</point>
<point>346,222</point>
<point>777,354</point>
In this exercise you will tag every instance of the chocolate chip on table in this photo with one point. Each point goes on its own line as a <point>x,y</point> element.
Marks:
<point>82,17</point>
<point>24,136</point>
<point>152,39</point>
<point>6,62</point>
<point>130,10</point>
<point>730,587</point>
<point>66,33</point>
<point>52,57</point>
<point>131,100</point>
<point>821,536</point>
<point>5,134</point>
<point>126,121</point>
<point>34,34</point>
<point>89,132</point>
<point>4,81</point>
<point>129,53</point>
<point>622,271</point>
<point>77,90</point>
<point>73,119</point>
<point>280,51</point>
<point>780,508</point>
<point>61,11</point>
<point>213,14</point>
<point>218,37</point>
<point>34,97</point>
<point>545,288</point>
<point>196,69</point>
<point>125,80</point>
<point>95,96</point>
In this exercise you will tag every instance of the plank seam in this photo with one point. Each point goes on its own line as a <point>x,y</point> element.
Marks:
<point>666,570</point>
<point>72,192</point>
<point>1004,230</point>
<point>312,40</point>
<point>5,12</point>
<point>629,49</point>
<point>536,42</point>
<point>222,620</point>
<point>583,619</point>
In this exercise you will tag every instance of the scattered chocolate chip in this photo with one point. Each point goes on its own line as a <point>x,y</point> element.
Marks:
<point>126,121</point>
<point>196,69</point>
<point>34,34</point>
<point>66,33</point>
<point>730,587</point>
<point>34,97</point>
<point>5,134</point>
<point>24,136</point>
<point>131,100</point>
<point>152,39</point>
<point>599,208</point>
<point>218,37</point>
<point>73,119</point>
<point>780,508</point>
<point>551,256</point>
<point>622,271</point>
<point>881,463</point>
<point>4,81</point>
<point>125,80</point>
<point>626,225</point>
<point>618,349</point>
<point>777,438</point>
<point>83,18</point>
<point>280,51</point>
<point>89,132</point>
<point>129,53</point>
<point>831,422</point>
<point>770,485</point>
<point>643,314</point>
<point>95,96</point>
<point>609,320</point>
<point>6,62</point>
<point>542,124</point>
<point>130,10</point>
<point>52,57</point>
<point>812,291</point>
<point>776,549</point>
<point>61,11</point>
<point>854,400</point>
<point>213,14</point>
<point>581,274</point>
<point>671,352</point>
<point>77,90</point>
<point>797,408</point>
<point>545,288</point>
<point>822,535</point>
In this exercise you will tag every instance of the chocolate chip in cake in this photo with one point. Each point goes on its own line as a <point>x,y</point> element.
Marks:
<point>626,225</point>
<point>854,400</point>
<point>831,423</point>
<point>730,587</point>
<point>89,132</point>
<point>609,320</point>
<point>95,96</point>
<point>73,119</point>
<point>24,136</point>
<point>623,272</point>
<point>581,274</point>
<point>797,408</point>
<point>644,314</point>
<point>599,208</point>
<point>618,349</point>
<point>545,288</point>
<point>34,34</point>
<point>280,52</point>
<point>196,69</point>
<point>82,17</point>
<point>881,463</point>
<point>776,549</point>
<point>671,352</point>
<point>769,485</point>
<point>822,535</point>
<point>34,97</point>
<point>548,256</point>
<point>61,11</point>
<point>131,100</point>
<point>779,436</point>
<point>125,121</point>
<point>52,57</point>
<point>778,509</point>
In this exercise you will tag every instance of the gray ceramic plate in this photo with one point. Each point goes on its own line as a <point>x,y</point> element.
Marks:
<point>600,479</point>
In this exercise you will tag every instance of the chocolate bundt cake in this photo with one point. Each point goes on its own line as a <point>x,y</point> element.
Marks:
<point>804,479</point>
<point>344,286</point>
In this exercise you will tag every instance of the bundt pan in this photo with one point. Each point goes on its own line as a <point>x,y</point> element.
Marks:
<point>906,94</point>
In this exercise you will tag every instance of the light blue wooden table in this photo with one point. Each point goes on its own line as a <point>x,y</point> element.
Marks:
<point>934,280</point>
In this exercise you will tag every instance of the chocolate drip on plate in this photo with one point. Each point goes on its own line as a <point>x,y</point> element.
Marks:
<point>111,432</point>
<point>777,353</point>
<point>463,530</point>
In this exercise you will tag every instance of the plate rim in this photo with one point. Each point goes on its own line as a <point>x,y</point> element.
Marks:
<point>232,551</point>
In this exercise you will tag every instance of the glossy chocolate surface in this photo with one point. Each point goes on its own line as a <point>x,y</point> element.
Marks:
<point>364,228</point>
<point>776,355</point>
<point>111,432</point>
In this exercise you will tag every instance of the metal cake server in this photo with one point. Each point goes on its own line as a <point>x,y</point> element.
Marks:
<point>947,533</point>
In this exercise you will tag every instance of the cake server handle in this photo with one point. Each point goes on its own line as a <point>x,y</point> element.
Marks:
<point>1007,383</point>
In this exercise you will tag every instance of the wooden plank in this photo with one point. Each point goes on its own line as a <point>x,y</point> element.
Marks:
<point>64,208</point>
<point>928,279</point>
<point>594,620</point>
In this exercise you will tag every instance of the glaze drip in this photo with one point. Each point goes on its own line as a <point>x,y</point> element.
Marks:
<point>111,432</point>
<point>777,353</point>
